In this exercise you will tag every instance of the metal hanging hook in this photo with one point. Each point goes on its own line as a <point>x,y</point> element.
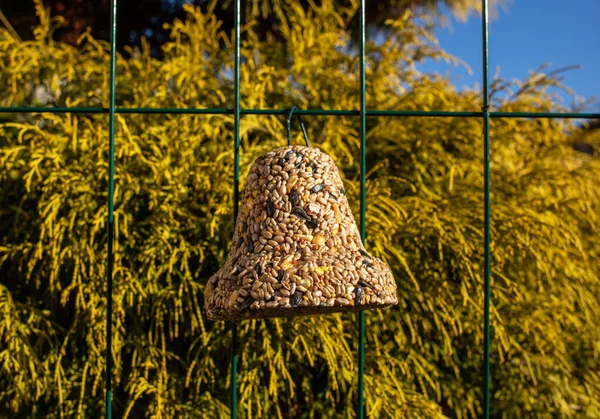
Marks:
<point>289,130</point>
<point>289,123</point>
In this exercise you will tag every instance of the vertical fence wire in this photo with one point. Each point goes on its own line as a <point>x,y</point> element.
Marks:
<point>363,203</point>
<point>486,210</point>
<point>111,192</point>
<point>236,190</point>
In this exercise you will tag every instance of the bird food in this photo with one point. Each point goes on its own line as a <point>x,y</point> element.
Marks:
<point>296,248</point>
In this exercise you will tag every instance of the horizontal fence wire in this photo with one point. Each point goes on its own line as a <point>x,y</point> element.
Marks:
<point>315,112</point>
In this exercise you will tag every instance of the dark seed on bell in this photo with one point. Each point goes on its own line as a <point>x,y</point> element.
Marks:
<point>280,275</point>
<point>367,263</point>
<point>296,299</point>
<point>365,254</point>
<point>281,162</point>
<point>333,196</point>
<point>258,269</point>
<point>342,191</point>
<point>288,155</point>
<point>240,241</point>
<point>299,212</point>
<point>312,223</point>
<point>250,246</point>
<point>247,303</point>
<point>359,293</point>
<point>245,227</point>
<point>270,208</point>
<point>312,164</point>
<point>365,284</point>
<point>294,198</point>
<point>317,188</point>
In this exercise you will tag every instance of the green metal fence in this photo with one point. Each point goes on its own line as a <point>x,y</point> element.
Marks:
<point>485,114</point>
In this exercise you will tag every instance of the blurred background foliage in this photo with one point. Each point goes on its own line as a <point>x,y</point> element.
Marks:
<point>174,222</point>
<point>145,18</point>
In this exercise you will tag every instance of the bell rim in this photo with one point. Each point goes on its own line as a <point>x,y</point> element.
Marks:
<point>292,312</point>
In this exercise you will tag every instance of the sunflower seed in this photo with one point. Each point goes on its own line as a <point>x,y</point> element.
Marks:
<point>317,188</point>
<point>364,284</point>
<point>294,198</point>
<point>359,293</point>
<point>270,208</point>
<point>312,223</point>
<point>296,299</point>
<point>288,155</point>
<point>247,303</point>
<point>299,212</point>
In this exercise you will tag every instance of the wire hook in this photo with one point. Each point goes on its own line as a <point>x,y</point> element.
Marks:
<point>289,130</point>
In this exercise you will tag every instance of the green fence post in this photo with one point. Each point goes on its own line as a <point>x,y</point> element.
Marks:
<point>236,188</point>
<point>363,203</point>
<point>111,193</point>
<point>486,210</point>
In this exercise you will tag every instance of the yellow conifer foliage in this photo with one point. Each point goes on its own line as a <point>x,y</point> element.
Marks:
<point>174,222</point>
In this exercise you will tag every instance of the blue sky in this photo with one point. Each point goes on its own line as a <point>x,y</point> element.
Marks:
<point>526,34</point>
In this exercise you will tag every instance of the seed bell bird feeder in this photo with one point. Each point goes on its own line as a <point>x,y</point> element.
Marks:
<point>296,249</point>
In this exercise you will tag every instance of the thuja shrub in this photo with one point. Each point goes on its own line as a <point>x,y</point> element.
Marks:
<point>173,220</point>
